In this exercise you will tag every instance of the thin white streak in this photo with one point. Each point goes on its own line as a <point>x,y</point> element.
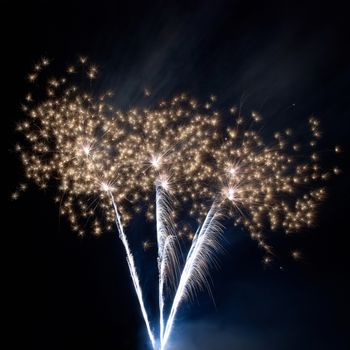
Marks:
<point>132,269</point>
<point>194,275</point>
<point>167,252</point>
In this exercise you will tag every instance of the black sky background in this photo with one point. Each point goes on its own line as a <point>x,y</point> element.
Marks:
<point>286,61</point>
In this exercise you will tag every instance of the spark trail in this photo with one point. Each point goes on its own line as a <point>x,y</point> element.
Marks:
<point>166,239</point>
<point>161,238</point>
<point>202,252</point>
<point>132,269</point>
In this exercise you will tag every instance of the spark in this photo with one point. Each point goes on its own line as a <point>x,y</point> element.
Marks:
<point>164,182</point>
<point>230,193</point>
<point>86,149</point>
<point>337,149</point>
<point>105,187</point>
<point>156,161</point>
<point>296,254</point>
<point>336,171</point>
<point>267,260</point>
<point>146,245</point>
<point>15,196</point>
<point>232,171</point>
<point>45,61</point>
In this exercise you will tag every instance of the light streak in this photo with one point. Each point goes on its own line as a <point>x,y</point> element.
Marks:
<point>204,246</point>
<point>132,269</point>
<point>167,250</point>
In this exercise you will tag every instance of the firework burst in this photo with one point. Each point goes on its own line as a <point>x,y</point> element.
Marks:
<point>178,158</point>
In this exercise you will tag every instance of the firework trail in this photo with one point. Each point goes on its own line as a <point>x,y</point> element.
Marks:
<point>161,241</point>
<point>132,269</point>
<point>167,249</point>
<point>202,252</point>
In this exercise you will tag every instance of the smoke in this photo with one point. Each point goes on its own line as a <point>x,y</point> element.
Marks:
<point>209,335</point>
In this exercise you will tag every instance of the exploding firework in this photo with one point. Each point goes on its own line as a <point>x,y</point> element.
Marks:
<point>178,158</point>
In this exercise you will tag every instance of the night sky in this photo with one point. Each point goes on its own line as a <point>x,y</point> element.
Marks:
<point>285,61</point>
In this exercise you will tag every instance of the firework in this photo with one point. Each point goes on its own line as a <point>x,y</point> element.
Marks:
<point>178,158</point>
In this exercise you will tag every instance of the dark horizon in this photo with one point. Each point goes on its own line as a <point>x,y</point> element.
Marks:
<point>283,60</point>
